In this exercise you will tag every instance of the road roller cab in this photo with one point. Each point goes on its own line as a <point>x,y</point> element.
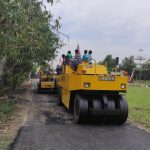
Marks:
<point>91,91</point>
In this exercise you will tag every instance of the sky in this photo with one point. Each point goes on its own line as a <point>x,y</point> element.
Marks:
<point>117,27</point>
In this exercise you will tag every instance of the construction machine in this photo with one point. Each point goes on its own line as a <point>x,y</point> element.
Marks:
<point>47,81</point>
<point>92,92</point>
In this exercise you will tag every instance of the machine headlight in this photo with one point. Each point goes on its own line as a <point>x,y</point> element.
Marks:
<point>123,86</point>
<point>86,85</point>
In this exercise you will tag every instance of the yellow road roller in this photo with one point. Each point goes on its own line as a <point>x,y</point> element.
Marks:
<point>92,92</point>
<point>47,82</point>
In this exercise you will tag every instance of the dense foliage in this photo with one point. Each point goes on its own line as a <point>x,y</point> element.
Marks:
<point>128,64</point>
<point>143,73</point>
<point>26,37</point>
<point>109,61</point>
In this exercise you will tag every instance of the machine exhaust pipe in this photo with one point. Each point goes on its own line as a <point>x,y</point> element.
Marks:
<point>117,61</point>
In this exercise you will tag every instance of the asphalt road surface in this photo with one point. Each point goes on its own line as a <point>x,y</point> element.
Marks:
<point>50,127</point>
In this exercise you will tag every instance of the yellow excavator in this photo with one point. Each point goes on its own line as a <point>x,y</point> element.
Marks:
<point>47,81</point>
<point>92,92</point>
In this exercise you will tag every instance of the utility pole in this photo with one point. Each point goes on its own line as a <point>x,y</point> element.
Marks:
<point>140,58</point>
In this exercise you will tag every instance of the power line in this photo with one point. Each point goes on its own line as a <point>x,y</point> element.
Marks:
<point>60,32</point>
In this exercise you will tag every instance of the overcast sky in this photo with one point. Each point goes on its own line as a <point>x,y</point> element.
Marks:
<point>114,27</point>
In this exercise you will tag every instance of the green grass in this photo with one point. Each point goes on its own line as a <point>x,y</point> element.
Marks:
<point>7,107</point>
<point>139,105</point>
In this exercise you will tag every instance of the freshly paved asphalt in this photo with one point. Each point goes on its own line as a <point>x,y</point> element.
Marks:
<point>50,127</point>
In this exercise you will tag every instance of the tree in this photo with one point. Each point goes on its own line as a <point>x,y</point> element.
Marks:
<point>145,74</point>
<point>26,37</point>
<point>128,64</point>
<point>111,62</point>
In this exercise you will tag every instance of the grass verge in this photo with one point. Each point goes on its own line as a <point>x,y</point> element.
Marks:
<point>139,105</point>
<point>7,107</point>
<point>13,110</point>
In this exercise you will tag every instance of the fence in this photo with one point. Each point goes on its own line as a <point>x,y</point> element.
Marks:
<point>140,84</point>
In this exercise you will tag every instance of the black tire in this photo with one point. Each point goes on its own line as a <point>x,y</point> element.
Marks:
<point>111,107</point>
<point>123,111</point>
<point>97,105</point>
<point>59,96</point>
<point>39,91</point>
<point>80,109</point>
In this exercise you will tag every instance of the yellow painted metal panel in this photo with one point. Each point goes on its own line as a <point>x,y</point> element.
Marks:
<point>67,69</point>
<point>65,97</point>
<point>75,82</point>
<point>92,69</point>
<point>46,85</point>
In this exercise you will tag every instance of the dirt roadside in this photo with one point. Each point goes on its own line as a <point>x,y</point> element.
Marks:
<point>9,129</point>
